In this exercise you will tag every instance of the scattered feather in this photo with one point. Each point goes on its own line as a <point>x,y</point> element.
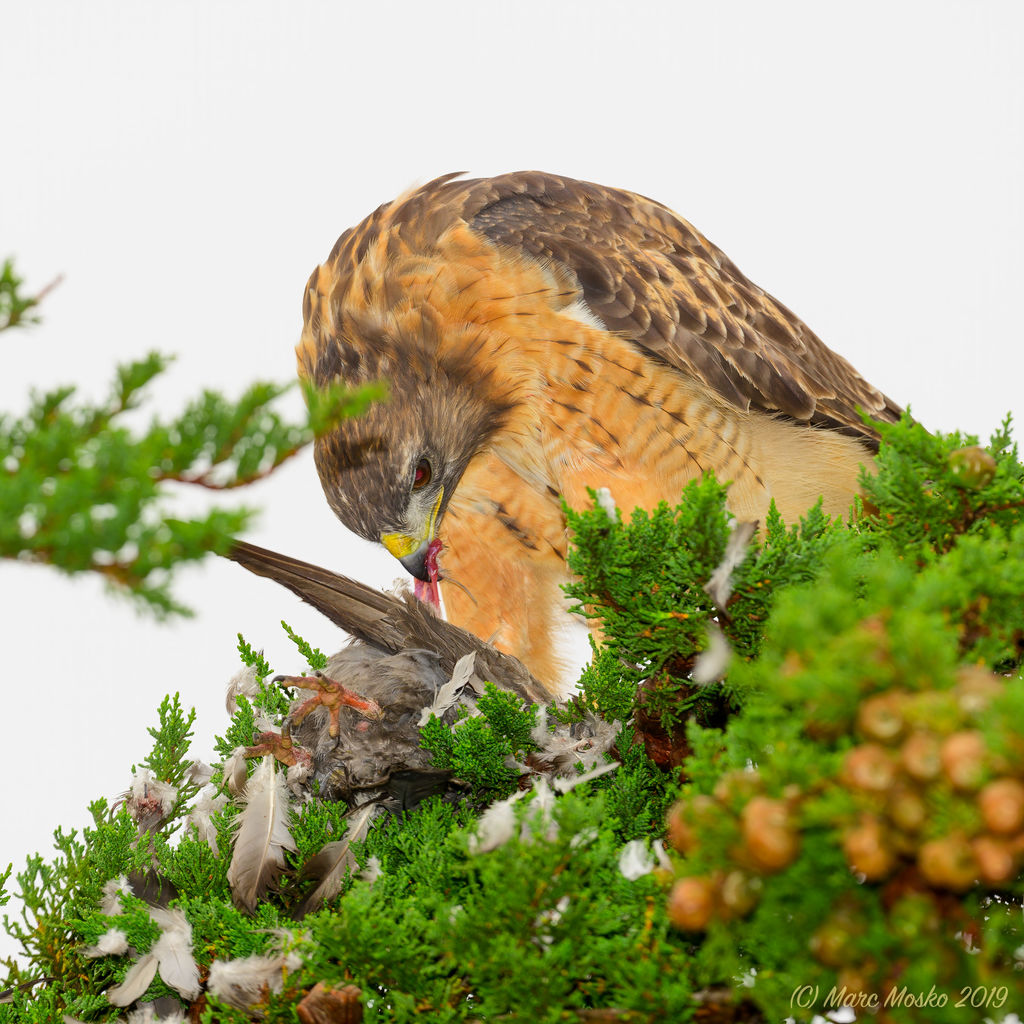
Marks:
<point>241,983</point>
<point>261,836</point>
<point>564,785</point>
<point>600,739</point>
<point>148,1013</point>
<point>149,801</point>
<point>635,861</point>
<point>540,816</point>
<point>243,684</point>
<point>199,773</point>
<point>297,776</point>
<point>719,586</point>
<point>713,662</point>
<point>111,943</point>
<point>583,838</point>
<point>139,977</point>
<point>111,903</point>
<point>496,826</point>
<point>546,919</point>
<point>449,693</point>
<point>662,857</point>
<point>201,817</point>
<point>372,870</point>
<point>173,950</point>
<point>607,502</point>
<point>235,770</point>
<point>157,890</point>
<point>335,860</point>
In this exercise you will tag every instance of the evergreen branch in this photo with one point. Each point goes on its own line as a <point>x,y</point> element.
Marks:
<point>85,493</point>
<point>14,305</point>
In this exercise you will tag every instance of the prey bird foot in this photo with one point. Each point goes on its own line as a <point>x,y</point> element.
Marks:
<point>332,695</point>
<point>281,746</point>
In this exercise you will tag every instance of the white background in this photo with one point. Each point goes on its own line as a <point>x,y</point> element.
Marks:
<point>186,165</point>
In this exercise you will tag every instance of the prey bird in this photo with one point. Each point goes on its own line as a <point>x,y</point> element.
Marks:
<point>543,336</point>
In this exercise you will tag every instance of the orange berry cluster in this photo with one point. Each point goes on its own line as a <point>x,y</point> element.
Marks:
<point>931,792</point>
<point>765,839</point>
<point>929,796</point>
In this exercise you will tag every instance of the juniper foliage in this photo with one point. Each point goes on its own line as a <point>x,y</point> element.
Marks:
<point>809,844</point>
<point>84,491</point>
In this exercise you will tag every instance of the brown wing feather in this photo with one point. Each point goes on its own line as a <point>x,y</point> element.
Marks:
<point>384,620</point>
<point>651,277</point>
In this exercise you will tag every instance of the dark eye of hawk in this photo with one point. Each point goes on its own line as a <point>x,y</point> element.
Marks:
<point>422,475</point>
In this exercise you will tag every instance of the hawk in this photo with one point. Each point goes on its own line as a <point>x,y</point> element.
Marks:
<point>542,336</point>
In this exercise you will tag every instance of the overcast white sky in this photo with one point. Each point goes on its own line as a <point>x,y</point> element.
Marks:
<point>186,165</point>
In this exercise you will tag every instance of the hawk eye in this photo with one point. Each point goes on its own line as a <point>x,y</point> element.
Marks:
<point>422,475</point>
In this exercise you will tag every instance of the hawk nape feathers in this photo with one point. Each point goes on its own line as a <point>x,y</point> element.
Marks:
<point>543,335</point>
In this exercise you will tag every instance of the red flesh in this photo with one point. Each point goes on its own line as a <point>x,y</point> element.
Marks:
<point>428,590</point>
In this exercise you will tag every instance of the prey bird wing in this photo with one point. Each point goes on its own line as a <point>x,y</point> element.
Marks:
<point>385,621</point>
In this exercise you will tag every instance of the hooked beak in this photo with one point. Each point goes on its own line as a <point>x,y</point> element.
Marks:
<point>412,551</point>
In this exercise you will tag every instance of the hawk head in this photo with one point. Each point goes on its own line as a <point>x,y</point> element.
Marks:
<point>390,474</point>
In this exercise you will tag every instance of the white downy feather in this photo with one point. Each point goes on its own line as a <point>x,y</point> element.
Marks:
<point>111,903</point>
<point>296,779</point>
<point>240,983</point>
<point>635,861</point>
<point>173,951</point>
<point>605,500</point>
<point>713,662</point>
<point>719,586</point>
<point>199,773</point>
<point>564,785</point>
<point>145,1014</point>
<point>447,695</point>
<point>110,943</point>
<point>540,813</point>
<point>201,816</point>
<point>497,825</point>
<point>243,684</point>
<point>335,860</point>
<point>261,836</point>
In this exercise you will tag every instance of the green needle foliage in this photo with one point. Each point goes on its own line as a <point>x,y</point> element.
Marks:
<point>844,810</point>
<point>14,303</point>
<point>84,490</point>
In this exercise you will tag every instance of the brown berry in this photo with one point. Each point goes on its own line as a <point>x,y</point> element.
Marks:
<point>906,807</point>
<point>920,756</point>
<point>867,850</point>
<point>691,904</point>
<point>686,818</point>
<point>976,688</point>
<point>963,759</point>
<point>739,893</point>
<point>857,982</point>
<point>881,717</point>
<point>997,863</point>
<point>1002,805</point>
<point>869,767</point>
<point>949,862</point>
<point>832,944</point>
<point>770,839</point>
<point>973,467</point>
<point>737,785</point>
